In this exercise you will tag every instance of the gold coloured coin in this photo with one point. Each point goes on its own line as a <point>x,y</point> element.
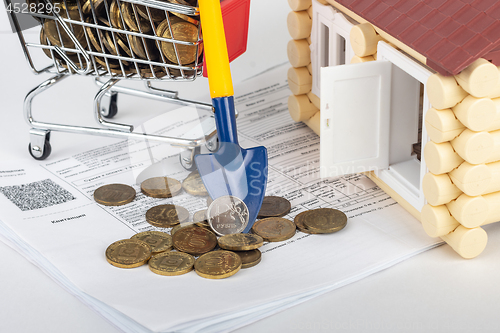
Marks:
<point>184,17</point>
<point>249,258</point>
<point>240,242</point>
<point>274,207</point>
<point>161,187</point>
<point>274,229</point>
<point>115,16</point>
<point>200,216</point>
<point>145,72</point>
<point>136,23</point>
<point>128,253</point>
<point>325,220</point>
<point>159,241</point>
<point>181,31</point>
<point>193,185</point>
<point>299,222</point>
<point>144,47</point>
<point>171,263</point>
<point>218,264</point>
<point>166,216</point>
<point>114,194</point>
<point>53,30</point>
<point>157,15</point>
<point>194,240</point>
<point>179,226</point>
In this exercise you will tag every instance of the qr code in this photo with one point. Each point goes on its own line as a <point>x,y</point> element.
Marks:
<point>36,195</point>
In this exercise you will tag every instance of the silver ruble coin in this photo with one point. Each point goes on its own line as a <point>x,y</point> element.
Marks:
<point>227,215</point>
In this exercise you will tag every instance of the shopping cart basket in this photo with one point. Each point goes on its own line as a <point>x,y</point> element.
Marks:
<point>114,40</point>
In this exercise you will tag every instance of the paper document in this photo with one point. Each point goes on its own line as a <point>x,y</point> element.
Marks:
<point>49,215</point>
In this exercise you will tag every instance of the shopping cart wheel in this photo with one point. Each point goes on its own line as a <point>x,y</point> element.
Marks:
<point>112,108</point>
<point>36,152</point>
<point>212,144</point>
<point>187,158</point>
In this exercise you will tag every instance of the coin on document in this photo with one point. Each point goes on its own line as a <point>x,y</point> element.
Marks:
<point>299,223</point>
<point>181,225</point>
<point>200,216</point>
<point>136,23</point>
<point>171,263</point>
<point>161,187</point>
<point>114,194</point>
<point>186,32</point>
<point>166,216</point>
<point>249,258</point>
<point>193,185</point>
<point>240,242</point>
<point>128,253</point>
<point>159,241</point>
<point>217,264</point>
<point>325,220</point>
<point>274,207</point>
<point>274,229</point>
<point>194,240</point>
<point>228,215</point>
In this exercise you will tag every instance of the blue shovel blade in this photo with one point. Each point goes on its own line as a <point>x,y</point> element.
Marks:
<point>235,171</point>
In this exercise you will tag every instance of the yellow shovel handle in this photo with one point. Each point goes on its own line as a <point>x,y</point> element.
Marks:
<point>214,45</point>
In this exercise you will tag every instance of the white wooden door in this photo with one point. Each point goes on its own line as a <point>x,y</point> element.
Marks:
<point>355,118</point>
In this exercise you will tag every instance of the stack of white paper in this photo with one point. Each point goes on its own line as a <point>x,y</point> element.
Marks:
<point>49,216</point>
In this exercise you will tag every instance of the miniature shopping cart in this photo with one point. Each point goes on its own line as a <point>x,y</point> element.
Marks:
<point>114,40</point>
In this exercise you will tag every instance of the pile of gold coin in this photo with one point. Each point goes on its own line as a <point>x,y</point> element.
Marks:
<point>194,244</point>
<point>139,19</point>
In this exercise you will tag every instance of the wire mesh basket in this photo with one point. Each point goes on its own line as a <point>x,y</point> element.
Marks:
<point>114,40</point>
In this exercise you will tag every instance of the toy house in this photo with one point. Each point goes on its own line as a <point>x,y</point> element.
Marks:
<point>407,91</point>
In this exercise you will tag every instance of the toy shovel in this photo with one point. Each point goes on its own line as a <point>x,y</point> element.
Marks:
<point>231,170</point>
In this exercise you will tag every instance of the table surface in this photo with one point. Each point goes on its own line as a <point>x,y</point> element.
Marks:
<point>434,291</point>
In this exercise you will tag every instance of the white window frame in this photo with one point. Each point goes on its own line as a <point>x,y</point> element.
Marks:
<point>337,23</point>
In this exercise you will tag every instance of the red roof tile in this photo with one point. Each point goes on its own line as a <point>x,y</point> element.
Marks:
<point>451,34</point>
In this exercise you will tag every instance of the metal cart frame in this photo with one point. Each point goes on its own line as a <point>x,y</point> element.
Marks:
<point>76,59</point>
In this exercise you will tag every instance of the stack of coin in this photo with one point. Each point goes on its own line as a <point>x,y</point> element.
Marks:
<point>130,17</point>
<point>217,258</point>
<point>321,221</point>
<point>245,246</point>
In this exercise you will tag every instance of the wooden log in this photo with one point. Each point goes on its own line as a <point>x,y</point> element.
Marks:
<point>314,122</point>
<point>496,90</point>
<point>441,158</point>
<point>310,11</point>
<point>310,69</point>
<point>477,179</point>
<point>477,147</point>
<point>478,114</point>
<point>299,53</point>
<point>298,5</point>
<point>472,212</point>
<point>301,108</point>
<point>299,24</point>
<point>299,80</point>
<point>442,125</point>
<point>314,99</point>
<point>468,243</point>
<point>364,39</point>
<point>437,220</point>
<point>357,60</point>
<point>439,189</point>
<point>444,92</point>
<point>479,79</point>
